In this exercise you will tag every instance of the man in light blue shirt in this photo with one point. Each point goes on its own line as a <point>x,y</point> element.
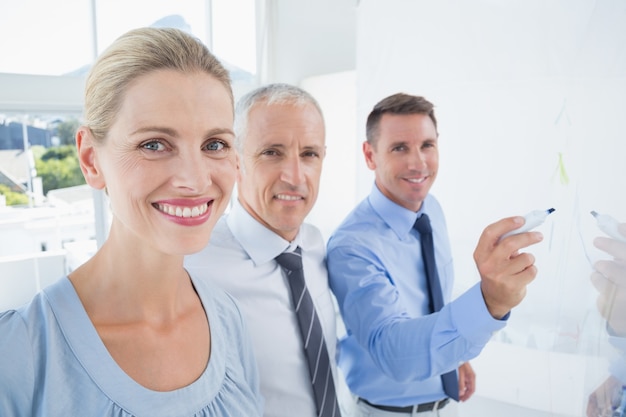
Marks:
<point>396,348</point>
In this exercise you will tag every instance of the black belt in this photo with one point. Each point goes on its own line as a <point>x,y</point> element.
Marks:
<point>435,405</point>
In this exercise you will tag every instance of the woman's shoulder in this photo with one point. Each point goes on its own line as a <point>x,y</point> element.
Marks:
<point>231,354</point>
<point>23,322</point>
<point>217,302</point>
<point>15,331</point>
<point>22,331</point>
<point>30,333</point>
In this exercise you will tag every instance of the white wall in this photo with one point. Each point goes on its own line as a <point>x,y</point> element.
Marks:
<point>336,94</point>
<point>309,38</point>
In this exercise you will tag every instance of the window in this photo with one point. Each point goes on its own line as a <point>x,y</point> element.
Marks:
<point>62,37</point>
<point>234,35</point>
<point>45,37</point>
<point>48,47</point>
<point>115,17</point>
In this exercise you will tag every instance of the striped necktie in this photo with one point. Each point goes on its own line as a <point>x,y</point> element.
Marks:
<point>312,335</point>
<point>422,225</point>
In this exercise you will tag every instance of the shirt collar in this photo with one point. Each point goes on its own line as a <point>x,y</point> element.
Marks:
<point>398,218</point>
<point>259,242</point>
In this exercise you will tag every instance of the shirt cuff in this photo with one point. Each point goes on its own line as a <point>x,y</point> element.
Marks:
<point>471,317</point>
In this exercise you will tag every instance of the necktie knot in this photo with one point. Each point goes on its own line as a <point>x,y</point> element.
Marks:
<point>291,261</point>
<point>422,224</point>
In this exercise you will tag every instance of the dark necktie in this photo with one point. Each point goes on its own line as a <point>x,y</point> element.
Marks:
<point>422,225</point>
<point>312,335</point>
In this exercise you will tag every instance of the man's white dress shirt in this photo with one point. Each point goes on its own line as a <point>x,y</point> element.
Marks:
<point>240,258</point>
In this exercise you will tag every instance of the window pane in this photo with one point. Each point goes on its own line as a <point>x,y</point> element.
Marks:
<point>234,34</point>
<point>115,17</point>
<point>45,37</point>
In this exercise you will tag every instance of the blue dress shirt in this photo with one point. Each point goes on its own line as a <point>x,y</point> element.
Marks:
<point>53,363</point>
<point>395,350</point>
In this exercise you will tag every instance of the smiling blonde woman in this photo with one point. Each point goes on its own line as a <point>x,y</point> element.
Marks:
<point>130,333</point>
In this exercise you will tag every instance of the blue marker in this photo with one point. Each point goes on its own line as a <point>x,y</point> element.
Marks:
<point>609,226</point>
<point>532,220</point>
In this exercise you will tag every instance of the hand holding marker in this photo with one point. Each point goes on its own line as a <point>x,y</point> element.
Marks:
<point>532,220</point>
<point>621,409</point>
<point>609,226</point>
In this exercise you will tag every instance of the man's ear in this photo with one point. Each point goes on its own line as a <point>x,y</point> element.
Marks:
<point>368,152</point>
<point>85,144</point>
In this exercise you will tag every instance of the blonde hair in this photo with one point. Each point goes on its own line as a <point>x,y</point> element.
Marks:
<point>137,53</point>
